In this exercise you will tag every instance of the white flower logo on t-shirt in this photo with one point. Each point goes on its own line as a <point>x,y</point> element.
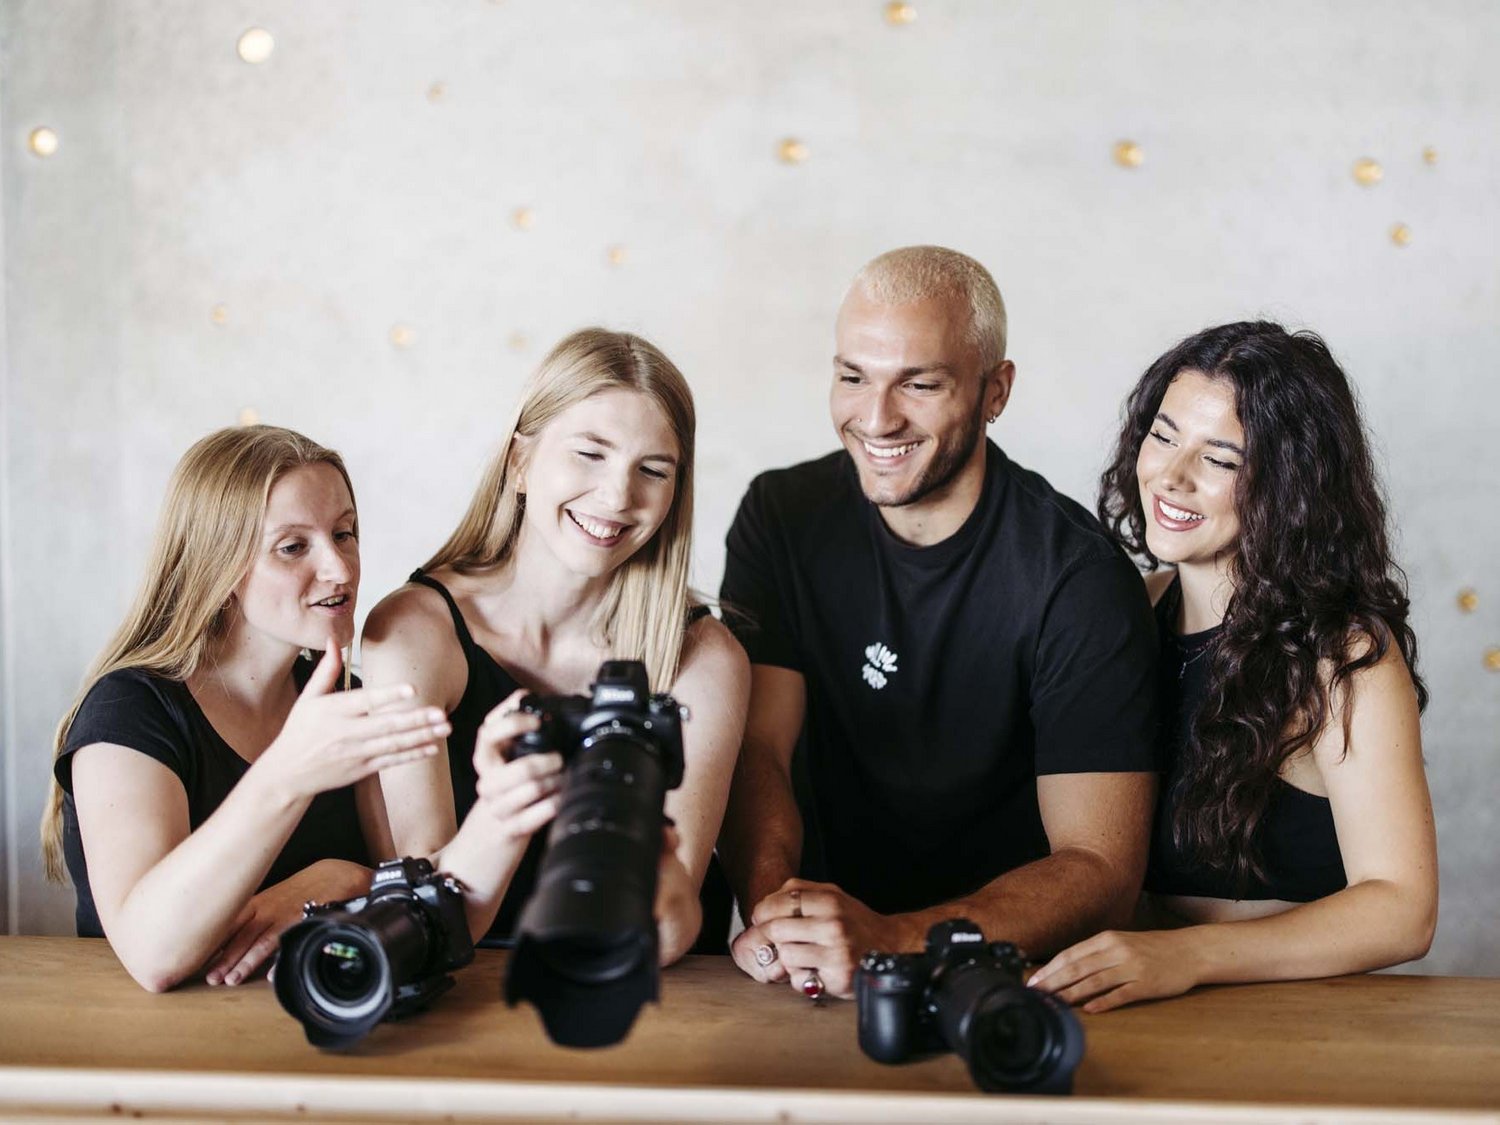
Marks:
<point>880,664</point>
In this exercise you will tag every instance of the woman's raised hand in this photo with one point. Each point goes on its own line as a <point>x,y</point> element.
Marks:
<point>332,739</point>
<point>521,794</point>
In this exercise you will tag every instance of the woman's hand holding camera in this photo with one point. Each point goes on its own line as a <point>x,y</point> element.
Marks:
<point>332,739</point>
<point>520,793</point>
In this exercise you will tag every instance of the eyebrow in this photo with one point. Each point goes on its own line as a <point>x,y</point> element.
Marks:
<point>282,528</point>
<point>905,372</point>
<point>597,439</point>
<point>1217,443</point>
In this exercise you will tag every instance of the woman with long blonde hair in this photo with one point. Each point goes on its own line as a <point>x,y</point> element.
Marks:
<point>574,550</point>
<point>205,776</point>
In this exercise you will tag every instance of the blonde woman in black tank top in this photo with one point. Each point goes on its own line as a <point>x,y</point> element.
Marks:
<point>1295,835</point>
<point>575,549</point>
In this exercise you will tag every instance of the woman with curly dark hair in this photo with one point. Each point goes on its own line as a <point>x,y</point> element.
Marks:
<point>1294,833</point>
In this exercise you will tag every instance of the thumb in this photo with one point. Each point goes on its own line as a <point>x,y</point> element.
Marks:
<point>326,675</point>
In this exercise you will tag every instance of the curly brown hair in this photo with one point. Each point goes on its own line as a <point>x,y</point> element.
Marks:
<point>1315,586</point>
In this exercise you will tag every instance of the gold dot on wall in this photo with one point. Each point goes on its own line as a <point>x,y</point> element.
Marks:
<point>1128,154</point>
<point>42,141</point>
<point>616,255</point>
<point>792,151</point>
<point>219,314</point>
<point>255,46</point>
<point>402,336</point>
<point>523,218</point>
<point>899,15</point>
<point>1367,172</point>
<point>517,341</point>
<point>1492,659</point>
<point>1429,155</point>
<point>1468,601</point>
<point>249,416</point>
<point>1401,234</point>
<point>436,91</point>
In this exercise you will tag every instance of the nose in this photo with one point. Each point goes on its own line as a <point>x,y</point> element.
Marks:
<point>1176,474</point>
<point>614,490</point>
<point>884,417</point>
<point>335,566</point>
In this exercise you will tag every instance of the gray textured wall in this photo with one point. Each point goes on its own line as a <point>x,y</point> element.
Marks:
<point>367,174</point>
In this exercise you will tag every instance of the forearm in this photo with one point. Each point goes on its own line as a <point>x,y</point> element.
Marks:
<point>483,860</point>
<point>179,912</point>
<point>1370,925</point>
<point>1041,907</point>
<point>761,839</point>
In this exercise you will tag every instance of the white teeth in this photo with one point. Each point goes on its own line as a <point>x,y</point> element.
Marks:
<point>1181,514</point>
<point>337,599</point>
<point>885,451</point>
<point>595,528</point>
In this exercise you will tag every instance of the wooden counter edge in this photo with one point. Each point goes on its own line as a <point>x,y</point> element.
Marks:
<point>140,1093</point>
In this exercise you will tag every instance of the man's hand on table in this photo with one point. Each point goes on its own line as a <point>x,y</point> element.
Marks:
<point>805,926</point>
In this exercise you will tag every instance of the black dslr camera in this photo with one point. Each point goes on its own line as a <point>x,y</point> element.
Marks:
<point>348,965</point>
<point>586,947</point>
<point>966,995</point>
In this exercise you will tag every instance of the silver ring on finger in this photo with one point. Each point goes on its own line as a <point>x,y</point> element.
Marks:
<point>765,954</point>
<point>797,904</point>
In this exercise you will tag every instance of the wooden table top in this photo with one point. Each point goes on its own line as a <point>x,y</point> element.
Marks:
<point>76,1032</point>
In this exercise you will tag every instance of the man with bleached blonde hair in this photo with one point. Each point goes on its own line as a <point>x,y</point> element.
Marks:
<point>963,662</point>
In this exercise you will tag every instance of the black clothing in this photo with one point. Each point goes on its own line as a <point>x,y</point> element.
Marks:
<point>488,685</point>
<point>160,718</point>
<point>941,680</point>
<point>1299,848</point>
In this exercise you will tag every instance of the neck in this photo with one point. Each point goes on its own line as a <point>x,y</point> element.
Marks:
<point>247,669</point>
<point>1206,589</point>
<point>542,601</point>
<point>940,513</point>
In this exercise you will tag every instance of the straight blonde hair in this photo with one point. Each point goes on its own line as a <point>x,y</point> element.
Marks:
<point>643,615</point>
<point>204,544</point>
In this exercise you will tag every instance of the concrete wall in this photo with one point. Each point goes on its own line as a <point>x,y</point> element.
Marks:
<point>366,177</point>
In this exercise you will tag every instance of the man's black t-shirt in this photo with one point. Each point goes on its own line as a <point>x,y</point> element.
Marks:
<point>160,718</point>
<point>941,680</point>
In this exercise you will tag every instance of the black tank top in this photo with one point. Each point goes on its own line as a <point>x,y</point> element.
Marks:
<point>1298,846</point>
<point>488,685</point>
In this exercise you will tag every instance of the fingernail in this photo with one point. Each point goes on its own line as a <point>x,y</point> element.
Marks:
<point>232,978</point>
<point>435,715</point>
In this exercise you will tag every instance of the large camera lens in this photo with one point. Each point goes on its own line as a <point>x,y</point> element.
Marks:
<point>1011,1037</point>
<point>343,971</point>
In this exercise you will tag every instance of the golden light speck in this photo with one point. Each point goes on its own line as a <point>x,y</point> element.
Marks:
<point>1468,601</point>
<point>1368,172</point>
<point>219,314</point>
<point>616,255</point>
<point>792,151</point>
<point>249,416</point>
<point>1492,659</point>
<point>255,46</point>
<point>436,91</point>
<point>1401,234</point>
<point>402,336</point>
<point>1128,154</point>
<point>42,142</point>
<point>523,218</point>
<point>1429,155</point>
<point>899,15</point>
<point>517,341</point>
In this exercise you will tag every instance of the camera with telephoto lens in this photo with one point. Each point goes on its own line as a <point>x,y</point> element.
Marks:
<point>586,945</point>
<point>966,995</point>
<point>348,965</point>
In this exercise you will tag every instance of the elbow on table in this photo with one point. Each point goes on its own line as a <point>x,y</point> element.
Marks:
<point>155,972</point>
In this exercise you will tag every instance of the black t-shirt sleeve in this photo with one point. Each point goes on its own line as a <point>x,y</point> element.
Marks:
<point>124,708</point>
<point>752,596</point>
<point>1093,700</point>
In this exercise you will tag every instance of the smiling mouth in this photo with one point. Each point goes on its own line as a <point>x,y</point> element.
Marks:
<point>888,452</point>
<point>605,533</point>
<point>1175,514</point>
<point>335,601</point>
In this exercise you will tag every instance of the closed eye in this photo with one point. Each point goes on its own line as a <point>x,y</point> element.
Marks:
<point>290,550</point>
<point>655,474</point>
<point>1161,437</point>
<point>1216,463</point>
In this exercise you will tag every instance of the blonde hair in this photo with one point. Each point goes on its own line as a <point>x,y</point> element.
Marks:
<point>914,273</point>
<point>204,544</point>
<point>643,615</point>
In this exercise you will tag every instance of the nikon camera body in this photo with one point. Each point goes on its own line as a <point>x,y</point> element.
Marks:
<point>966,995</point>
